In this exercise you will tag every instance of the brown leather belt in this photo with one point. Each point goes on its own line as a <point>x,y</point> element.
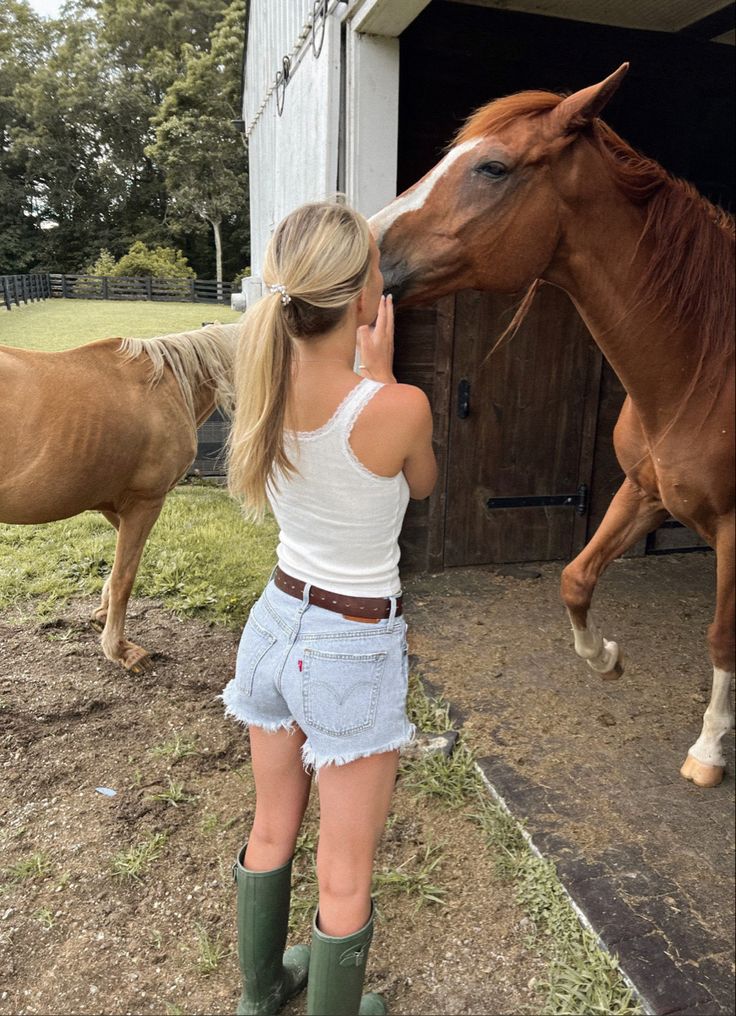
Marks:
<point>369,607</point>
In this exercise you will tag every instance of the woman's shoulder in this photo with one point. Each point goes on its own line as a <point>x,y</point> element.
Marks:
<point>397,411</point>
<point>405,407</point>
<point>402,399</point>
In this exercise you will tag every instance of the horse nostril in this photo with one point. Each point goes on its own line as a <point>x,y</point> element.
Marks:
<point>395,280</point>
<point>395,291</point>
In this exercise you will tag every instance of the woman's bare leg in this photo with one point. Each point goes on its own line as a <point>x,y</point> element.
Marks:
<point>282,795</point>
<point>354,803</point>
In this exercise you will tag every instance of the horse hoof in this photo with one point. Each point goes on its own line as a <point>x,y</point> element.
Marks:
<point>700,774</point>
<point>617,671</point>
<point>138,662</point>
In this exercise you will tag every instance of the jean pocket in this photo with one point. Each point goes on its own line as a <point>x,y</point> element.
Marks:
<point>254,644</point>
<point>340,690</point>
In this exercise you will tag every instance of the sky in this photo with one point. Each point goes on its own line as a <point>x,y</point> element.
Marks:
<point>46,8</point>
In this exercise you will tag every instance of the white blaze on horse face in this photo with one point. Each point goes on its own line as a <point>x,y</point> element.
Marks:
<point>417,196</point>
<point>717,721</point>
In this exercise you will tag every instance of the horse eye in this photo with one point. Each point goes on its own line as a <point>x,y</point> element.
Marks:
<point>495,170</point>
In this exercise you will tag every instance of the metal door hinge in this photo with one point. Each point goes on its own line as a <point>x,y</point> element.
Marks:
<point>578,501</point>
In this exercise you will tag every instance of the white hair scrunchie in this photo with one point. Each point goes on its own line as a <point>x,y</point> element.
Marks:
<point>278,288</point>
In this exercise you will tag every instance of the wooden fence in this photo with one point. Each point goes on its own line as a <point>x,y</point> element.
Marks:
<point>120,287</point>
<point>18,289</point>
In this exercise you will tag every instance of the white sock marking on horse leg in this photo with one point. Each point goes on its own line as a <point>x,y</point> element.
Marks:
<point>717,721</point>
<point>415,198</point>
<point>600,654</point>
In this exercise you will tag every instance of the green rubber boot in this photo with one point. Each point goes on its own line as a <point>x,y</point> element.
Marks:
<point>336,973</point>
<point>270,975</point>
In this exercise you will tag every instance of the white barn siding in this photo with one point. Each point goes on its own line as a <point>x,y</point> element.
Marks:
<point>292,157</point>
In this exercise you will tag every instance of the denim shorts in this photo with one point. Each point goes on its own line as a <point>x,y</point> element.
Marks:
<point>344,683</point>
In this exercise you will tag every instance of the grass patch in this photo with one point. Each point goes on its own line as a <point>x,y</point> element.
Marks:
<point>454,781</point>
<point>178,746</point>
<point>305,891</point>
<point>413,877</point>
<point>60,324</point>
<point>173,795</point>
<point>431,715</point>
<point>202,558</point>
<point>27,869</point>
<point>45,917</point>
<point>582,979</point>
<point>136,861</point>
<point>211,951</point>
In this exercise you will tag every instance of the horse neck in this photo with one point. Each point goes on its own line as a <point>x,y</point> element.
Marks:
<point>599,262</point>
<point>204,403</point>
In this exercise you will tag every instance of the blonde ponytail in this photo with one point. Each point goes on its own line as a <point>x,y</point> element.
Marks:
<point>320,256</point>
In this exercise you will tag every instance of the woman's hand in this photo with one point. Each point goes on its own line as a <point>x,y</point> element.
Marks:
<point>376,345</point>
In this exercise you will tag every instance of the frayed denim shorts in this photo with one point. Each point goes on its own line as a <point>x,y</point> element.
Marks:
<point>344,683</point>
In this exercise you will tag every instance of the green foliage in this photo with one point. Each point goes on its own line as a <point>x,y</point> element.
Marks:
<point>158,262</point>
<point>430,714</point>
<point>136,861</point>
<point>454,781</point>
<point>211,951</point>
<point>22,51</point>
<point>413,877</point>
<point>36,866</point>
<point>199,150</point>
<point>104,265</point>
<point>78,97</point>
<point>244,273</point>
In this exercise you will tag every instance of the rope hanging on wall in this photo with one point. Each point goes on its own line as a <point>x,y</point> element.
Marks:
<point>282,80</point>
<point>314,29</point>
<point>319,11</point>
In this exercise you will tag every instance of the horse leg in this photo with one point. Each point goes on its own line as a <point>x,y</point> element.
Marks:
<point>631,515</point>
<point>706,762</point>
<point>99,616</point>
<point>136,523</point>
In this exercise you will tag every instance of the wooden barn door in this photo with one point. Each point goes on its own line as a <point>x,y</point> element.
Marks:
<point>521,426</point>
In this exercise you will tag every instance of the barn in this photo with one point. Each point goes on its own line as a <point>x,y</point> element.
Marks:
<point>362,97</point>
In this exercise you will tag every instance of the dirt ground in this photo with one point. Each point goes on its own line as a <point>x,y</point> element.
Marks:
<point>593,766</point>
<point>77,938</point>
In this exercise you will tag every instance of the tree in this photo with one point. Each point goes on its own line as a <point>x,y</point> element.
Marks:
<point>158,262</point>
<point>78,98</point>
<point>22,49</point>
<point>197,146</point>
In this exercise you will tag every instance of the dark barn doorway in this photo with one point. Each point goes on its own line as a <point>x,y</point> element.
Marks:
<point>542,411</point>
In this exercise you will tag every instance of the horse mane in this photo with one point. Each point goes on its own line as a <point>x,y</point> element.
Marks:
<point>495,115</point>
<point>204,356</point>
<point>690,272</point>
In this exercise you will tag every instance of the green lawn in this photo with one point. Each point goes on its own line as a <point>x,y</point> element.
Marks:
<point>202,558</point>
<point>59,324</point>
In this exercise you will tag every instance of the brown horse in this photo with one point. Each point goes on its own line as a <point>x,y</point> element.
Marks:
<point>537,188</point>
<point>109,427</point>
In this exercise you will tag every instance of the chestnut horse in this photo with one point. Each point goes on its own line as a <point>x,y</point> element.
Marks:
<point>109,427</point>
<point>536,188</point>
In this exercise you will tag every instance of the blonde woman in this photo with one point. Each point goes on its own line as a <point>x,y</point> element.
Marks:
<point>321,675</point>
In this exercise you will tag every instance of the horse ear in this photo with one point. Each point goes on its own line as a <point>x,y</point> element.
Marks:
<point>580,108</point>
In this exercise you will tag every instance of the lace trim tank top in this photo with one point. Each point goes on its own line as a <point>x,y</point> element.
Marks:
<point>339,522</point>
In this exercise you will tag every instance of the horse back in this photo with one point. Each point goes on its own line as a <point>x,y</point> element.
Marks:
<point>83,428</point>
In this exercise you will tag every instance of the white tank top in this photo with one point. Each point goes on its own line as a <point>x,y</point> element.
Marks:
<point>339,522</point>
